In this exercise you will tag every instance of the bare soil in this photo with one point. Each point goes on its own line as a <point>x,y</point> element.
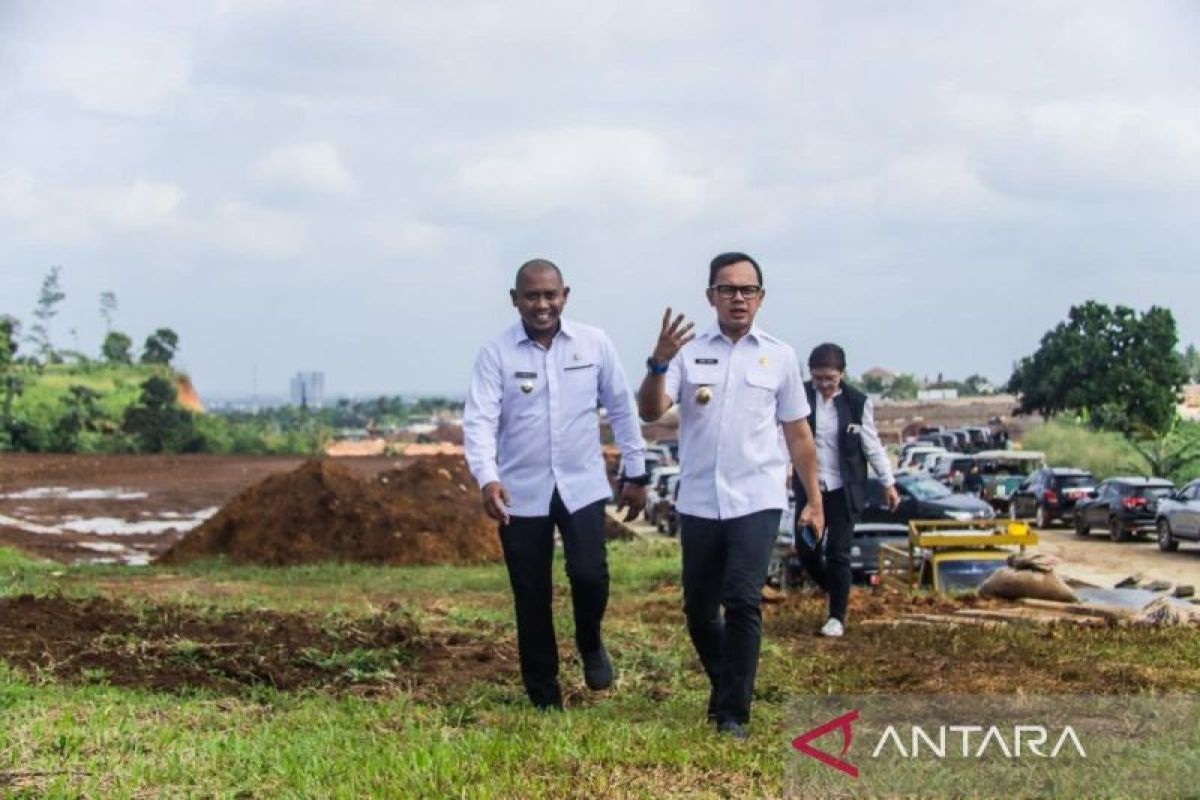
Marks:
<point>173,484</point>
<point>425,513</point>
<point>178,648</point>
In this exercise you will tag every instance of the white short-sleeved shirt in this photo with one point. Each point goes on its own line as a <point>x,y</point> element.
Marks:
<point>731,461</point>
<point>531,419</point>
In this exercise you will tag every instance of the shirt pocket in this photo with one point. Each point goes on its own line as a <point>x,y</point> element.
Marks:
<point>579,383</point>
<point>761,388</point>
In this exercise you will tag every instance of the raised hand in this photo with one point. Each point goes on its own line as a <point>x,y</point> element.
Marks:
<point>674,335</point>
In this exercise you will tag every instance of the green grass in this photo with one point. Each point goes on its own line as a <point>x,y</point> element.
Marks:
<point>46,390</point>
<point>647,738</point>
<point>1065,444</point>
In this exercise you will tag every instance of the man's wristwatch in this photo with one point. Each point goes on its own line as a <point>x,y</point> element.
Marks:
<point>654,368</point>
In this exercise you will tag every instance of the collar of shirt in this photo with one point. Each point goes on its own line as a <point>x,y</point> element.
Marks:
<point>821,398</point>
<point>521,336</point>
<point>715,332</point>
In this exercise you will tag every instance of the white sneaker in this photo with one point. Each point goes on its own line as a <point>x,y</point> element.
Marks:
<point>832,627</point>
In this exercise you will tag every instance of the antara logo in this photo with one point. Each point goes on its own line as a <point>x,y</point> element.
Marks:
<point>975,741</point>
<point>841,723</point>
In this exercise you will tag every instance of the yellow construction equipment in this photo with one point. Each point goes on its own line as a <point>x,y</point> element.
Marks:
<point>948,555</point>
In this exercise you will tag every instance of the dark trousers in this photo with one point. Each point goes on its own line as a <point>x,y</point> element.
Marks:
<point>831,570</point>
<point>528,544</point>
<point>724,567</point>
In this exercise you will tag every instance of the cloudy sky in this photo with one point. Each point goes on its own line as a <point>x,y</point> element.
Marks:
<point>349,186</point>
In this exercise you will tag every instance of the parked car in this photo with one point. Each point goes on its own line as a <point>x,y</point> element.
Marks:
<point>1005,470</point>
<point>1178,517</point>
<point>962,440</point>
<point>662,451</point>
<point>672,446</point>
<point>949,441</point>
<point>1050,494</point>
<point>949,467</point>
<point>656,493</point>
<point>916,457</point>
<point>667,519</point>
<point>785,569</point>
<point>1125,506</point>
<point>921,497</point>
<point>981,438</point>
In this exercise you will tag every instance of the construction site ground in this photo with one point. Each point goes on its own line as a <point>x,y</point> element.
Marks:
<point>214,678</point>
<point>107,509</point>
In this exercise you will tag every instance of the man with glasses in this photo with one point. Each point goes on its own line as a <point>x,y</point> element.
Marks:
<point>532,437</point>
<point>735,385</point>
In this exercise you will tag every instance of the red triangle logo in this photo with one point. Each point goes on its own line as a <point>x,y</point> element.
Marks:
<point>842,723</point>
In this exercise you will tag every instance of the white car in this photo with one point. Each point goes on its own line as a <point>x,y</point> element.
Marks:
<point>920,458</point>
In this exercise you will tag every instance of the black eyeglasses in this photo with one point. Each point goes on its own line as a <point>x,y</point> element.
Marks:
<point>727,291</point>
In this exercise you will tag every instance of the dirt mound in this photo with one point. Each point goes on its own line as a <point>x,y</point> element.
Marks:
<point>176,648</point>
<point>427,513</point>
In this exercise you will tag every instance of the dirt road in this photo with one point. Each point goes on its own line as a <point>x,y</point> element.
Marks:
<point>1100,561</point>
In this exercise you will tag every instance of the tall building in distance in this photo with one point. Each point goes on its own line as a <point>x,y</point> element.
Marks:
<point>308,389</point>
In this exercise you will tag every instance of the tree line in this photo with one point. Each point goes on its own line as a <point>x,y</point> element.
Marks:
<point>1115,369</point>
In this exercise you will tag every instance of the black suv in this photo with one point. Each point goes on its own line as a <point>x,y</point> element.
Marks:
<point>1123,505</point>
<point>1050,494</point>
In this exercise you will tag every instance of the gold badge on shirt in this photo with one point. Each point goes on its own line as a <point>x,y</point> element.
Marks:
<point>704,395</point>
<point>527,387</point>
<point>763,360</point>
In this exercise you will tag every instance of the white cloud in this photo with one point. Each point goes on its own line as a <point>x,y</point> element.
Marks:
<point>308,167</point>
<point>88,212</point>
<point>116,71</point>
<point>19,195</point>
<point>252,230</point>
<point>598,169</point>
<point>142,204</point>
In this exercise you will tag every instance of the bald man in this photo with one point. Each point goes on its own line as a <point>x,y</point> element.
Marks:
<point>532,433</point>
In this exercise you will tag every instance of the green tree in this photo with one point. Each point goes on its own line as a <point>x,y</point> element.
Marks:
<point>108,308</point>
<point>11,387</point>
<point>117,348</point>
<point>905,387</point>
<point>49,298</point>
<point>1113,366</point>
<point>872,384</point>
<point>976,385</point>
<point>1191,362</point>
<point>80,415</point>
<point>10,330</point>
<point>1175,454</point>
<point>160,347</point>
<point>157,423</point>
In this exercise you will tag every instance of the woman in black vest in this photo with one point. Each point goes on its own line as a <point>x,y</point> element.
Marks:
<point>843,426</point>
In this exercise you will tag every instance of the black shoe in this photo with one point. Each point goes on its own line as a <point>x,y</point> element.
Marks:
<point>597,669</point>
<point>734,730</point>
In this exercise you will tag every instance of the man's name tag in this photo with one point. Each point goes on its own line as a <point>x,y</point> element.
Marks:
<point>708,361</point>
<point>524,375</point>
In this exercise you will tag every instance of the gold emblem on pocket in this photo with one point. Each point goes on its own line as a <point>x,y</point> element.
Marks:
<point>527,387</point>
<point>763,360</point>
<point>703,395</point>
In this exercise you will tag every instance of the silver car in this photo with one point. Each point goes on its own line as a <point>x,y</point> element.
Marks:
<point>1178,517</point>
